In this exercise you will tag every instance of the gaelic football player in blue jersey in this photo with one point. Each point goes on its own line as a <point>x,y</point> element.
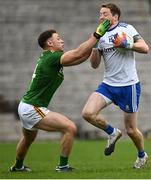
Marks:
<point>120,84</point>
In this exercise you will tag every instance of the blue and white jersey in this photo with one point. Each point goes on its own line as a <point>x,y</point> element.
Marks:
<point>119,63</point>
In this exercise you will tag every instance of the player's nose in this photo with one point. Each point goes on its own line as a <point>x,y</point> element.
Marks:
<point>101,18</point>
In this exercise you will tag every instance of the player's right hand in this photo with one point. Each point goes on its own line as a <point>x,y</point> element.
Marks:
<point>102,28</point>
<point>122,40</point>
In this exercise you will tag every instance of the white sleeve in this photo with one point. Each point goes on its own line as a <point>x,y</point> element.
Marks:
<point>131,31</point>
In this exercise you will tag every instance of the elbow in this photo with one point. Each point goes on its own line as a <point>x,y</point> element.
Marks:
<point>141,47</point>
<point>94,66</point>
<point>146,49</point>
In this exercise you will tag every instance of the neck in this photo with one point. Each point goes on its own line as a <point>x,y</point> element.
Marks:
<point>114,24</point>
<point>49,49</point>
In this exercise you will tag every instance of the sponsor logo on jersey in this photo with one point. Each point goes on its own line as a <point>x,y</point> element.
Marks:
<point>106,50</point>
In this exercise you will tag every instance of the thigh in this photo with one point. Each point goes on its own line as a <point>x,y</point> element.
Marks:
<point>54,121</point>
<point>95,103</point>
<point>29,135</point>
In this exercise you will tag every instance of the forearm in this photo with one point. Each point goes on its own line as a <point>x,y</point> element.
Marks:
<point>83,49</point>
<point>79,54</point>
<point>80,60</point>
<point>140,47</point>
<point>95,58</point>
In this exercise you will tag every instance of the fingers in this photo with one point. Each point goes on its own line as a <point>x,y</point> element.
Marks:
<point>106,23</point>
<point>122,40</point>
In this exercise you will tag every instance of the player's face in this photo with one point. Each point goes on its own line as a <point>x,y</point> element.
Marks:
<point>105,13</point>
<point>56,43</point>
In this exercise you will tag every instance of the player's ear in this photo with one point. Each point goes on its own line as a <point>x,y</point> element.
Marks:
<point>116,17</point>
<point>49,42</point>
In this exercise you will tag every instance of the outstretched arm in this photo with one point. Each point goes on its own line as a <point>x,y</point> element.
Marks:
<point>79,60</point>
<point>81,53</point>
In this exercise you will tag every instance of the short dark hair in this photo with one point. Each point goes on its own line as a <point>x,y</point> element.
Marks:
<point>44,36</point>
<point>113,8</point>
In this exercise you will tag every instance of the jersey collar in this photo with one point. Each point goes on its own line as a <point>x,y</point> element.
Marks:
<point>113,27</point>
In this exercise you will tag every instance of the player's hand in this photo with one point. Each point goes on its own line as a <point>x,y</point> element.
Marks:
<point>122,40</point>
<point>102,28</point>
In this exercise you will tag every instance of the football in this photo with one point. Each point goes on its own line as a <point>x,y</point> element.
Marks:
<point>122,40</point>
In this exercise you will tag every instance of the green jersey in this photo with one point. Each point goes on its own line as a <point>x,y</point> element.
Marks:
<point>47,77</point>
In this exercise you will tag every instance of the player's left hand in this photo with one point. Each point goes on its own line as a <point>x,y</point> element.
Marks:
<point>122,40</point>
<point>102,28</point>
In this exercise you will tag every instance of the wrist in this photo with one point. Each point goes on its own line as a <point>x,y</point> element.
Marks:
<point>94,49</point>
<point>97,36</point>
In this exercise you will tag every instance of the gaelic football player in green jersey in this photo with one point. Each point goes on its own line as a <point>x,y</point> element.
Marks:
<point>47,77</point>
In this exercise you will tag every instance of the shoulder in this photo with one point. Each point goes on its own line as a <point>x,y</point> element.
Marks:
<point>122,24</point>
<point>56,54</point>
<point>52,57</point>
<point>125,25</point>
<point>128,28</point>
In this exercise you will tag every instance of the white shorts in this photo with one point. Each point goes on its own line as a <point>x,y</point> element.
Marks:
<point>31,115</point>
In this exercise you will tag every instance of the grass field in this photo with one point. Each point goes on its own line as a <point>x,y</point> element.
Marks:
<point>87,157</point>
